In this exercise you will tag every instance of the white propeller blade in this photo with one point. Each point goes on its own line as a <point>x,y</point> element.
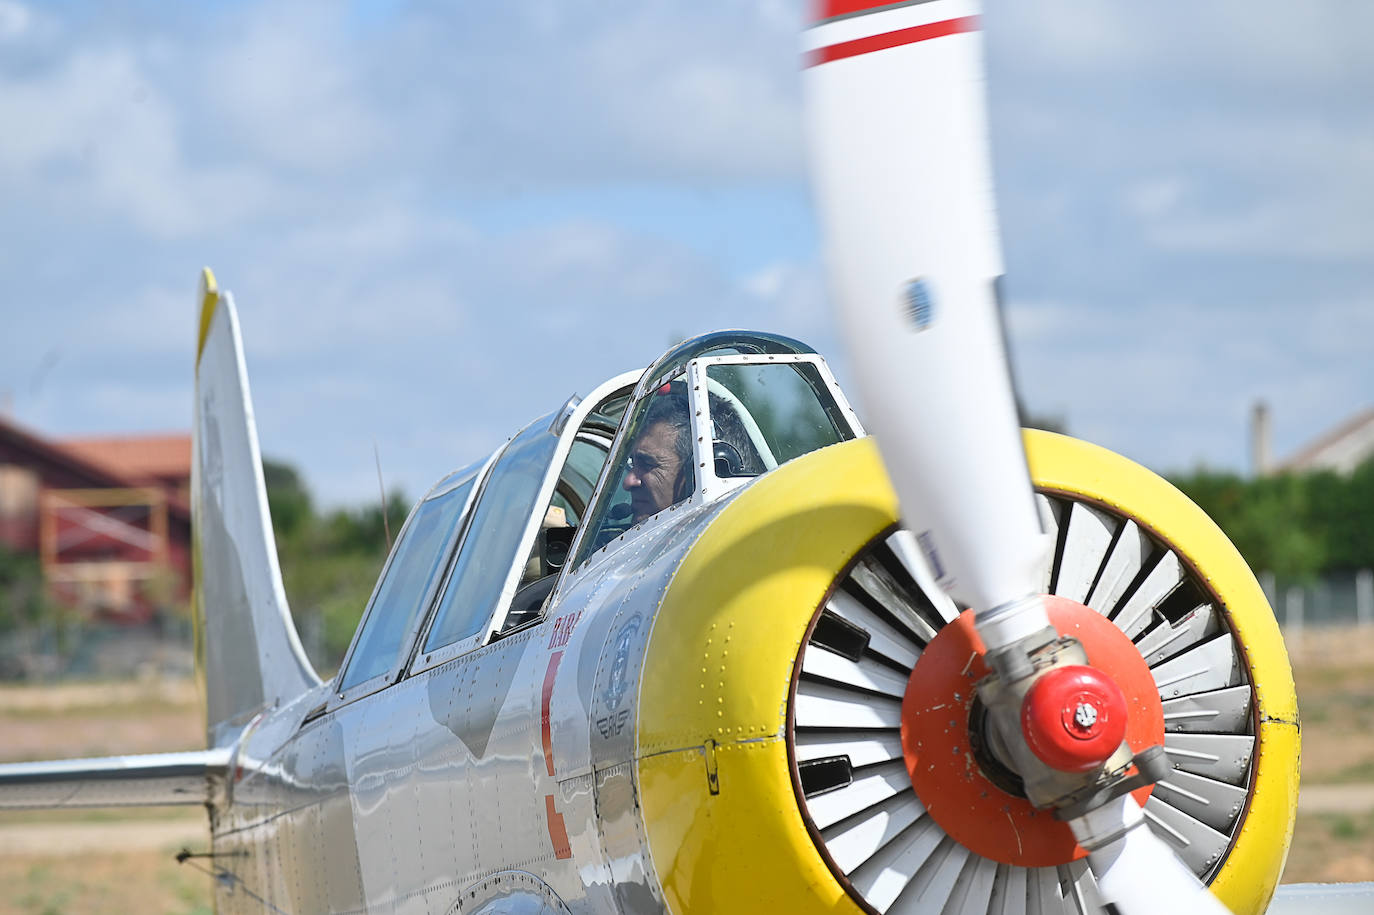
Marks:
<point>1136,872</point>
<point>898,137</point>
<point>900,165</point>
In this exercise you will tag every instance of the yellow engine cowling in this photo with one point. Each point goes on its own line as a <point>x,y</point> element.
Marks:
<point>721,807</point>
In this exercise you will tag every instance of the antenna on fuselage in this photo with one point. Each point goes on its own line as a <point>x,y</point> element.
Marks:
<point>386,523</point>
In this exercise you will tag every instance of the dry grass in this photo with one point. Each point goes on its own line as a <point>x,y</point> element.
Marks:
<point>99,861</point>
<point>1332,848</point>
<point>99,719</point>
<point>64,861</point>
<point>1334,671</point>
<point>102,883</point>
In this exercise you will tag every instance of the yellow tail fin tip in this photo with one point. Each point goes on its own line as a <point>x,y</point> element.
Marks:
<point>209,297</point>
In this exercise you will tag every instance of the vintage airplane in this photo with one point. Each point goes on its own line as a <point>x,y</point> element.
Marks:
<point>674,646</point>
<point>564,695</point>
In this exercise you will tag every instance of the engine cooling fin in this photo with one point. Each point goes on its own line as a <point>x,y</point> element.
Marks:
<point>844,719</point>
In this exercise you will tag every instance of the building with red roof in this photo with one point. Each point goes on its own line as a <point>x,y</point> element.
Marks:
<point>108,518</point>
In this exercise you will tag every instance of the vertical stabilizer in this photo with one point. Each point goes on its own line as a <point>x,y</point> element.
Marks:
<point>248,653</point>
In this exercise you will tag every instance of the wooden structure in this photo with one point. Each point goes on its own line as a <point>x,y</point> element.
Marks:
<point>108,518</point>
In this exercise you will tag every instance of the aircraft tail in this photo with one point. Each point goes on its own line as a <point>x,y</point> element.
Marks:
<point>248,653</point>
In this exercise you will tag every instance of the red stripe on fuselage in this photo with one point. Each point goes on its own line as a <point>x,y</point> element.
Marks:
<point>892,40</point>
<point>558,830</point>
<point>545,698</point>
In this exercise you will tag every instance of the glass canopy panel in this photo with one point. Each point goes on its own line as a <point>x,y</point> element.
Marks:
<point>489,551</point>
<point>414,567</point>
<point>765,414</point>
<point>578,480</point>
<point>609,413</point>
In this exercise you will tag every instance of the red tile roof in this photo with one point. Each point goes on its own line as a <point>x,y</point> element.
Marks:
<point>140,457</point>
<point>34,447</point>
<point>91,467</point>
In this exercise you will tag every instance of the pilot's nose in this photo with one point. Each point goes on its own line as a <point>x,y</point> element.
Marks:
<point>632,481</point>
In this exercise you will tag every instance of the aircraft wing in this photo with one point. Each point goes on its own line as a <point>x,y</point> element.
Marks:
<point>115,781</point>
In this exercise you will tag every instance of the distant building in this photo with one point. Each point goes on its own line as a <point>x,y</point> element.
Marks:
<point>148,460</point>
<point>109,519</point>
<point>1261,457</point>
<point>1342,449</point>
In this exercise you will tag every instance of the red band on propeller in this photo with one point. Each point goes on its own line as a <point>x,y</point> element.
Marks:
<point>833,9</point>
<point>892,40</point>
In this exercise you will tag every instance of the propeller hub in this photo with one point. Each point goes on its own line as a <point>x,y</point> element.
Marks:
<point>1074,718</point>
<point>955,765</point>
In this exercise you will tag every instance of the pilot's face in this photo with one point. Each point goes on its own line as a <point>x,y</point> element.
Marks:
<point>653,472</point>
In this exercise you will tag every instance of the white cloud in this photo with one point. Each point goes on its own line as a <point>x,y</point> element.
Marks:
<point>768,282</point>
<point>1062,35</point>
<point>15,20</point>
<point>1309,192</point>
<point>586,93</point>
<point>381,227</point>
<point>437,226</point>
<point>791,299</point>
<point>92,132</point>
<point>1154,197</point>
<point>261,113</point>
<point>1240,43</point>
<point>285,81</point>
<point>1240,132</point>
<point>1170,383</point>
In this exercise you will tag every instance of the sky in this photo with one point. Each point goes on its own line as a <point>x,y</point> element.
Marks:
<point>440,219</point>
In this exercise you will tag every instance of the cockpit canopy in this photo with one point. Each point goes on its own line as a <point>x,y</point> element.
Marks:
<point>709,415</point>
<point>483,550</point>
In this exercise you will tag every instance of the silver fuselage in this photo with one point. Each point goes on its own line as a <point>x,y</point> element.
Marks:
<point>415,797</point>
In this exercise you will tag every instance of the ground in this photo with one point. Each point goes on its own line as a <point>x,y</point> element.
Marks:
<point>1334,839</point>
<point>100,861</point>
<point>122,861</point>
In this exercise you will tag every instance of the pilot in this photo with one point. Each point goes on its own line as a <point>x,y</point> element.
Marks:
<point>660,464</point>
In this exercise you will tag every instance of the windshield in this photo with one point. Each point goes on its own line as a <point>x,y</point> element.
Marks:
<point>744,414</point>
<point>765,414</point>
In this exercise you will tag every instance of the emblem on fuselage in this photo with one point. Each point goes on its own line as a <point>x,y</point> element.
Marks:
<point>618,683</point>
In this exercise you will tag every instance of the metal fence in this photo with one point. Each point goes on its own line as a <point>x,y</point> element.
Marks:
<point>76,650</point>
<point>1335,599</point>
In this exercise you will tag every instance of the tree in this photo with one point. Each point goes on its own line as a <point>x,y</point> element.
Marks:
<point>1270,520</point>
<point>288,500</point>
<point>329,563</point>
<point>23,598</point>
